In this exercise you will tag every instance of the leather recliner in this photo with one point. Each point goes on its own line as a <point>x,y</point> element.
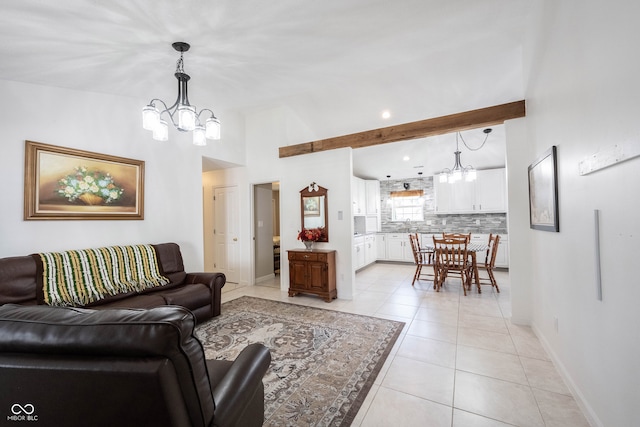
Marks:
<point>64,366</point>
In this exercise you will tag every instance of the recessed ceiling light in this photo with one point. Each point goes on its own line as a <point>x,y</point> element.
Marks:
<point>406,158</point>
<point>386,114</point>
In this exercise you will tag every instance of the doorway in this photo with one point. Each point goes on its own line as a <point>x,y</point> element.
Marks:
<point>266,225</point>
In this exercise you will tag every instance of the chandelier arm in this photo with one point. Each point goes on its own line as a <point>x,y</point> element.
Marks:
<point>202,111</point>
<point>167,109</point>
<point>206,109</point>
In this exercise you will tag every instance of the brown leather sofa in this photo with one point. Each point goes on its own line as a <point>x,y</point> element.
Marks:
<point>199,292</point>
<point>63,366</point>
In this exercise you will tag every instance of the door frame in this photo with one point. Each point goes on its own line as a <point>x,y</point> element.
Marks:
<point>253,209</point>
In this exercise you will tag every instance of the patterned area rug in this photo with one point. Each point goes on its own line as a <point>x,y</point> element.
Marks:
<point>323,362</point>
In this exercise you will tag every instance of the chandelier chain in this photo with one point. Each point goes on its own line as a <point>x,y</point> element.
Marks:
<point>486,136</point>
<point>180,64</point>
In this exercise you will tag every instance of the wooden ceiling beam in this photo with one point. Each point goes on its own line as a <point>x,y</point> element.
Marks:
<point>489,116</point>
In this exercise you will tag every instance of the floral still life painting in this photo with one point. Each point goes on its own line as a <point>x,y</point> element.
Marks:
<point>66,183</point>
<point>92,187</point>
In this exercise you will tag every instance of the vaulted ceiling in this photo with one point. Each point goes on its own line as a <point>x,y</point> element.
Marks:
<point>337,64</point>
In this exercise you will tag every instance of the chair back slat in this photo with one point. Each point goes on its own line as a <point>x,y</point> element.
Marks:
<point>467,237</point>
<point>451,252</point>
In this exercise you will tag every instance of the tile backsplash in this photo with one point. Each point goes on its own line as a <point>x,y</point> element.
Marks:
<point>485,223</point>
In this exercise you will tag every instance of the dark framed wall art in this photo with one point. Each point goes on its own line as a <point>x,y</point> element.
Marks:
<point>64,183</point>
<point>543,192</point>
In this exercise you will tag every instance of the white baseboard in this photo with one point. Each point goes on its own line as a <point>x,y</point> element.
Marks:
<point>264,278</point>
<point>582,403</point>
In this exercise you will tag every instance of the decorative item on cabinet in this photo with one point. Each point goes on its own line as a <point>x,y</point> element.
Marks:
<point>313,273</point>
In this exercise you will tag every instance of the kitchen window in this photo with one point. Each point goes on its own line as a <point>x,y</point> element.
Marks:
<point>407,206</point>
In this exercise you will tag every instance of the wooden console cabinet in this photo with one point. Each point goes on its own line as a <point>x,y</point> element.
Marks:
<point>313,272</point>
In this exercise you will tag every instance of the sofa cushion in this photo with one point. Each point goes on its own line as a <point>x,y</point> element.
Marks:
<point>170,262</point>
<point>193,295</point>
<point>132,301</point>
<point>17,280</point>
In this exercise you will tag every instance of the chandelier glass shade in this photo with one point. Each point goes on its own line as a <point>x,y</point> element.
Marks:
<point>458,171</point>
<point>181,114</point>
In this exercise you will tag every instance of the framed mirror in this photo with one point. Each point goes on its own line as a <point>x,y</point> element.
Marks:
<point>313,210</point>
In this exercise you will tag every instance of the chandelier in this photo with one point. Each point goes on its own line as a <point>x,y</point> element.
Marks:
<point>183,115</point>
<point>458,171</point>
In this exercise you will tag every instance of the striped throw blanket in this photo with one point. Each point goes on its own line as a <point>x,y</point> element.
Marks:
<point>80,277</point>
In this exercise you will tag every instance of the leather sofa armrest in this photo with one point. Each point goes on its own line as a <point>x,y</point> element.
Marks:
<point>215,281</point>
<point>238,386</point>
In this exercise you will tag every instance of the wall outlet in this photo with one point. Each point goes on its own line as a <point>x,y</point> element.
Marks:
<point>429,222</point>
<point>444,222</point>
<point>477,222</point>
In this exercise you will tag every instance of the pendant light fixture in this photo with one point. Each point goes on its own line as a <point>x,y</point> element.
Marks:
<point>459,171</point>
<point>183,115</point>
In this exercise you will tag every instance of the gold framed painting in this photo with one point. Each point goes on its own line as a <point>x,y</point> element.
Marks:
<point>311,206</point>
<point>65,183</point>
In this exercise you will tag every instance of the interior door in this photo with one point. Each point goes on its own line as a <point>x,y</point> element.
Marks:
<point>227,247</point>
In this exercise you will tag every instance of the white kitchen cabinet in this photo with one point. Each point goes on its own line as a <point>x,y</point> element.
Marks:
<point>463,198</point>
<point>491,191</point>
<point>381,246</point>
<point>359,195</point>
<point>502,257</point>
<point>358,252</point>
<point>370,249</point>
<point>458,197</point>
<point>365,250</point>
<point>399,248</point>
<point>486,194</point>
<point>442,195</point>
<point>372,189</point>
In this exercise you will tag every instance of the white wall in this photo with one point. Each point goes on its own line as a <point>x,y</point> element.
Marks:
<point>582,96</point>
<point>266,131</point>
<point>103,124</point>
<point>332,170</point>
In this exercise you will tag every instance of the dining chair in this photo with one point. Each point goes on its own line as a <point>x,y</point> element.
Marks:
<point>452,258</point>
<point>466,236</point>
<point>422,258</point>
<point>489,263</point>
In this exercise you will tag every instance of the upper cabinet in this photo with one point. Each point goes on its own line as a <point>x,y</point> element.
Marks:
<point>372,188</point>
<point>491,194</point>
<point>484,195</point>
<point>366,196</point>
<point>359,194</point>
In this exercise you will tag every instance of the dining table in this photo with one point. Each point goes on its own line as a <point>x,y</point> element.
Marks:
<point>472,250</point>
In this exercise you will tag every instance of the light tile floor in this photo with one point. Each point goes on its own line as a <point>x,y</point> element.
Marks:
<point>459,361</point>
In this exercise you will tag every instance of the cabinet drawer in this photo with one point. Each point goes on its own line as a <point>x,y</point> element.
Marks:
<point>307,256</point>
